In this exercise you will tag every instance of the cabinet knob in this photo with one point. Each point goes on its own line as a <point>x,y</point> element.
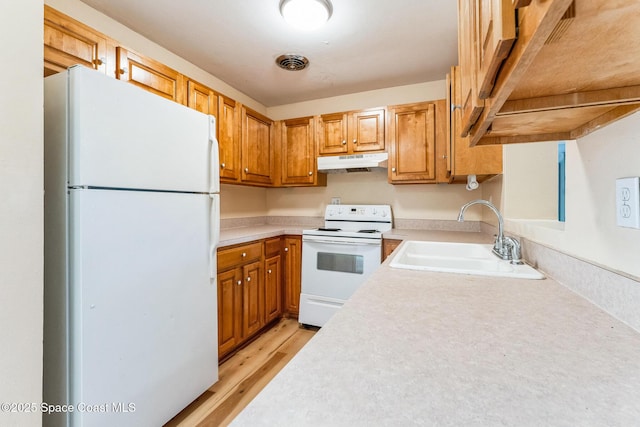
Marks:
<point>355,141</point>
<point>99,61</point>
<point>444,156</point>
<point>239,282</point>
<point>244,254</point>
<point>344,142</point>
<point>393,169</point>
<point>248,279</point>
<point>123,70</point>
<point>269,271</point>
<point>222,165</point>
<point>286,249</point>
<point>246,170</point>
<point>310,173</point>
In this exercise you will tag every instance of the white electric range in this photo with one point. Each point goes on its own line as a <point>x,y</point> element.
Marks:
<point>338,258</point>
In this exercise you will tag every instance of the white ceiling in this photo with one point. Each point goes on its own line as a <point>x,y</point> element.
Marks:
<point>366,45</point>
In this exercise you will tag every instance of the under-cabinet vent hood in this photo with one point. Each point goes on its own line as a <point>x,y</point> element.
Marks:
<point>352,163</point>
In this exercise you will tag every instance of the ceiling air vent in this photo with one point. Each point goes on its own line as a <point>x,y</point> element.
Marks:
<point>292,62</point>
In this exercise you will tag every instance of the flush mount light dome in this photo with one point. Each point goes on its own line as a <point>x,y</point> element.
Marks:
<point>306,14</point>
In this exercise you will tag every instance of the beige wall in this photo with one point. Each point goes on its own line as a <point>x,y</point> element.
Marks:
<point>21,210</point>
<point>375,98</point>
<point>592,165</point>
<point>407,201</point>
<point>237,201</point>
<point>531,189</point>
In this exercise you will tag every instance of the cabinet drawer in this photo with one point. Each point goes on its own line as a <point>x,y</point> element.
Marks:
<point>239,255</point>
<point>271,247</point>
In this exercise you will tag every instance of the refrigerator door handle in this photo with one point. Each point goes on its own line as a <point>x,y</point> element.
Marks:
<point>214,238</point>
<point>214,158</point>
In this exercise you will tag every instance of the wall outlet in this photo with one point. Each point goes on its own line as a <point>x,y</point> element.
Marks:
<point>628,202</point>
<point>335,200</point>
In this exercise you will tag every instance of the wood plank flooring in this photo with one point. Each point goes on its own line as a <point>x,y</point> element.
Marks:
<point>243,375</point>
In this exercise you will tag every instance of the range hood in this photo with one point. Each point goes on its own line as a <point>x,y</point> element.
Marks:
<point>352,163</point>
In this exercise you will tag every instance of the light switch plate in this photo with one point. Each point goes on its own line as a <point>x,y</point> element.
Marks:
<point>628,202</point>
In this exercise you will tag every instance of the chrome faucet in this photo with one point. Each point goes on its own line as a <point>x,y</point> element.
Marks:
<point>504,247</point>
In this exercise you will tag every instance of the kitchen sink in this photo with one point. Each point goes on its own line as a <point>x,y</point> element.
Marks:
<point>463,258</point>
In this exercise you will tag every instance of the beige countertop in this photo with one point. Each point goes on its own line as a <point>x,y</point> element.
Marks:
<point>424,348</point>
<point>234,236</point>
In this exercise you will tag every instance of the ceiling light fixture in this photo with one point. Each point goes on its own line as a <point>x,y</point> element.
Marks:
<point>306,14</point>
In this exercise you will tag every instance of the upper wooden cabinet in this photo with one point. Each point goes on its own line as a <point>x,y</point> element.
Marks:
<point>298,151</point>
<point>495,33</point>
<point>229,139</point>
<point>149,74</point>
<point>68,42</point>
<point>567,74</point>
<point>202,98</point>
<point>258,148</point>
<point>351,132</point>
<point>417,143</point>
<point>463,160</point>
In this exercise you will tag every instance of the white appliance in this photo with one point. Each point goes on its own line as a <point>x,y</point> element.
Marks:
<point>338,258</point>
<point>353,162</point>
<point>131,228</point>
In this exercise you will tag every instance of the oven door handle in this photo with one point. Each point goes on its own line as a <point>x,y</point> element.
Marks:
<point>341,242</point>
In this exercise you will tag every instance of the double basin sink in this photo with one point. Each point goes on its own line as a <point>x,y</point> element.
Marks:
<point>463,258</point>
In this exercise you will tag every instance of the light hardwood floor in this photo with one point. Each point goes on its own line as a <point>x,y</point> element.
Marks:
<point>243,376</point>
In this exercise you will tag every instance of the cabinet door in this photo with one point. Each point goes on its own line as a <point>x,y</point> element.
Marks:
<point>149,75</point>
<point>366,130</point>
<point>253,298</point>
<point>417,143</point>
<point>68,42</point>
<point>273,288</point>
<point>471,103</point>
<point>229,139</point>
<point>496,32</point>
<point>292,274</point>
<point>201,98</point>
<point>229,308</point>
<point>332,134</point>
<point>257,148</point>
<point>480,160</point>
<point>298,151</point>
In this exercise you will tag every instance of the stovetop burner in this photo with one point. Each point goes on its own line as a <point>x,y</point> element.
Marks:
<point>364,222</point>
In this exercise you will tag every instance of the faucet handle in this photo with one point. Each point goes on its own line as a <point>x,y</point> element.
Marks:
<point>514,250</point>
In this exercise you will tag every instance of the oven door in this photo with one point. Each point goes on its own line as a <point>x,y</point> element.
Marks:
<point>336,267</point>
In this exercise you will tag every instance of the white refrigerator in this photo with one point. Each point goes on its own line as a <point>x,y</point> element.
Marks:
<point>131,229</point>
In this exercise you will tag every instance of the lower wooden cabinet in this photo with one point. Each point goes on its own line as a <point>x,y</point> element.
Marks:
<point>240,295</point>
<point>229,305</point>
<point>253,279</point>
<point>388,246</point>
<point>292,274</point>
<point>273,288</point>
